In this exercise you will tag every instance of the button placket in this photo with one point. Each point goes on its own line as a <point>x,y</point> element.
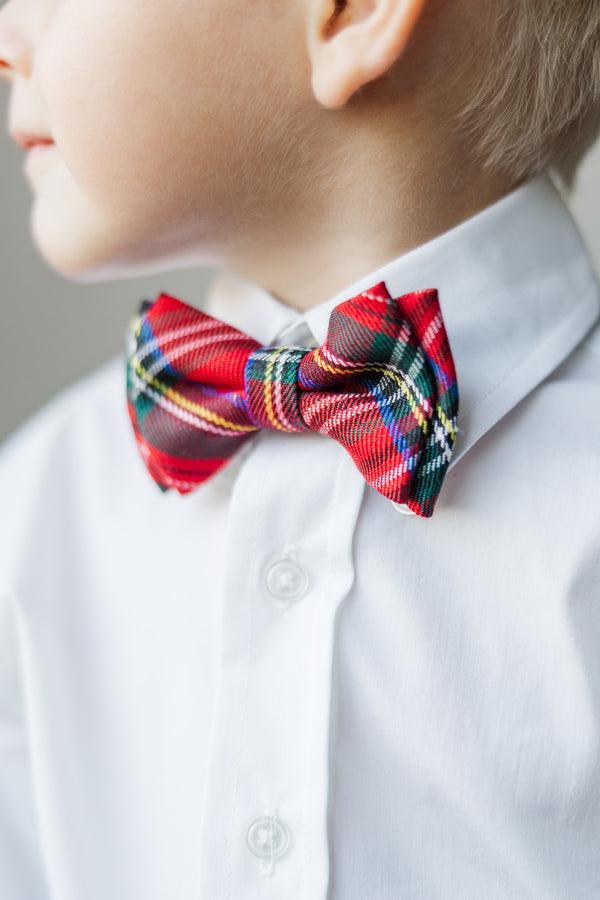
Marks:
<point>270,741</point>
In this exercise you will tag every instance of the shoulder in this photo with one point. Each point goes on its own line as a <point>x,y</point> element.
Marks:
<point>58,466</point>
<point>90,389</point>
<point>66,430</point>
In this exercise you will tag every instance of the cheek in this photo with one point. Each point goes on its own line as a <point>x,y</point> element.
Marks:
<point>135,120</point>
<point>175,130</point>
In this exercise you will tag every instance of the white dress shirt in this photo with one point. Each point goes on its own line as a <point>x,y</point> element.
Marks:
<point>280,686</point>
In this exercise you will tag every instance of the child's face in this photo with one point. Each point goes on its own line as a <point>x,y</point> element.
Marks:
<point>167,120</point>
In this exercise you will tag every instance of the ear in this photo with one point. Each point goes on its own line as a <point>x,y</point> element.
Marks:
<point>353,42</point>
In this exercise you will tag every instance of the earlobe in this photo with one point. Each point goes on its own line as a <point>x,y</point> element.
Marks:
<point>354,42</point>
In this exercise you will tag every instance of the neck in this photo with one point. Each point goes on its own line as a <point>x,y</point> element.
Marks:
<point>360,215</point>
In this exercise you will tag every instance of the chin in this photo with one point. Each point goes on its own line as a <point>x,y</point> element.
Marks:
<point>67,243</point>
<point>71,263</point>
<point>91,255</point>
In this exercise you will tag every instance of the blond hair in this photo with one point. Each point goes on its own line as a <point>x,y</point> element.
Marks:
<point>536,106</point>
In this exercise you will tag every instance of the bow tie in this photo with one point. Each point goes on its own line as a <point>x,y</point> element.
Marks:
<point>383,384</point>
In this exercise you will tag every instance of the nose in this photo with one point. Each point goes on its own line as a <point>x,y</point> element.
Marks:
<point>15,47</point>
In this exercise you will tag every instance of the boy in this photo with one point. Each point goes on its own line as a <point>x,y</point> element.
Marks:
<point>279,684</point>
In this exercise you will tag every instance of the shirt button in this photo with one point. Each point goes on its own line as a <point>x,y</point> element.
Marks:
<point>268,838</point>
<point>286,581</point>
<point>403,508</point>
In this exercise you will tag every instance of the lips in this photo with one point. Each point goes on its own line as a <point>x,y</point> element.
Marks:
<point>39,153</point>
<point>29,141</point>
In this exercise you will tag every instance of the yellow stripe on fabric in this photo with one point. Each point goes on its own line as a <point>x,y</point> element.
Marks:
<point>268,387</point>
<point>195,408</point>
<point>336,370</point>
<point>414,406</point>
<point>446,423</point>
<point>353,370</point>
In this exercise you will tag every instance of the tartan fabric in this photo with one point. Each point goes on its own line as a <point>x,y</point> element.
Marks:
<point>383,384</point>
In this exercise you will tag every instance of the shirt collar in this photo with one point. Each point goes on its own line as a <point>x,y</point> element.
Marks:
<point>517,293</point>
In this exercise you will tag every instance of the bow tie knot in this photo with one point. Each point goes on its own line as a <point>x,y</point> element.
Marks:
<point>383,384</point>
<point>271,388</point>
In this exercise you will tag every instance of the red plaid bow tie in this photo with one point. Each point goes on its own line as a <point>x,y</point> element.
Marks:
<point>383,384</point>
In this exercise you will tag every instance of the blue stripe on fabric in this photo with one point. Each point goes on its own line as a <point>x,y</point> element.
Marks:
<point>156,356</point>
<point>393,428</point>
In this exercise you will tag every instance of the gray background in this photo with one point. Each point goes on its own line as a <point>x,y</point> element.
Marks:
<point>53,331</point>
